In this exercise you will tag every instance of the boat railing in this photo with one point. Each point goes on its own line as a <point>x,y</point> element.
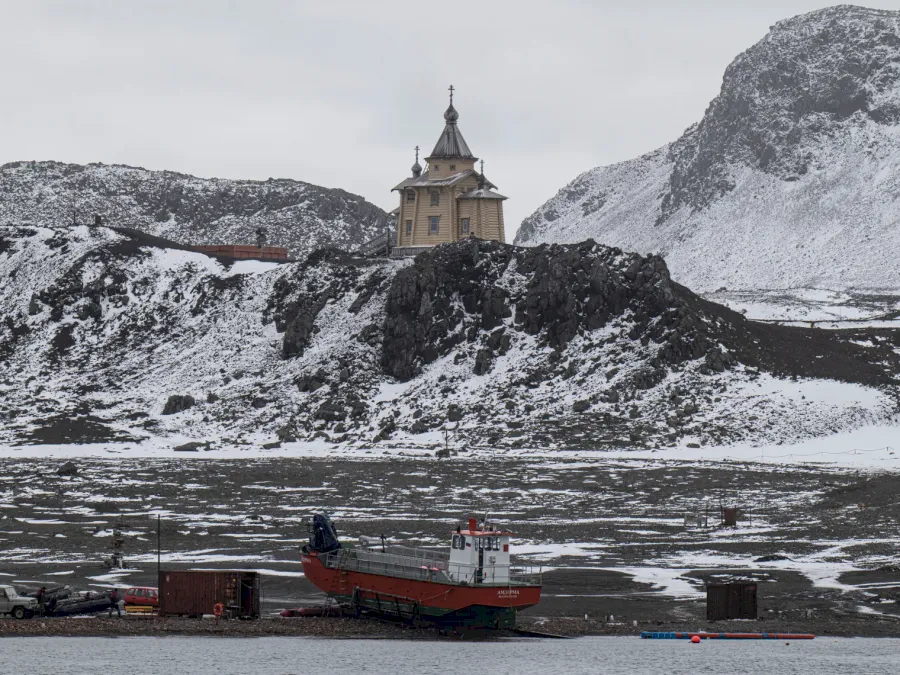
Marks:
<point>422,564</point>
<point>525,575</point>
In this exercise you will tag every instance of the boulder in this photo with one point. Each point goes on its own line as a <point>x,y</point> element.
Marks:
<point>331,410</point>
<point>192,446</point>
<point>484,359</point>
<point>386,430</point>
<point>178,403</point>
<point>67,469</point>
<point>581,406</point>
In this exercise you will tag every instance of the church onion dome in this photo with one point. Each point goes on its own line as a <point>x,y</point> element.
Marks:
<point>451,116</point>
<point>416,169</point>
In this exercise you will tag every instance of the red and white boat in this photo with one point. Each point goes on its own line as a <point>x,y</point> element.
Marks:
<point>474,585</point>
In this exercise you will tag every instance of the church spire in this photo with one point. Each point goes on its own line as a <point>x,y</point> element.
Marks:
<point>451,144</point>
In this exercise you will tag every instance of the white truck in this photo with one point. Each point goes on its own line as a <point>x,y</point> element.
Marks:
<point>19,606</point>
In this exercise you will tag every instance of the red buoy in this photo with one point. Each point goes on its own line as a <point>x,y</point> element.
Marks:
<point>696,639</point>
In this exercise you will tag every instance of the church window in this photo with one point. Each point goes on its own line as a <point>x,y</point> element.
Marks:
<point>410,196</point>
<point>464,225</point>
<point>433,224</point>
<point>437,168</point>
<point>435,198</point>
<point>453,167</point>
<point>408,227</point>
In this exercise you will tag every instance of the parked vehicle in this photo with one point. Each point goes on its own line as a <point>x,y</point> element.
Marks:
<point>142,595</point>
<point>19,606</point>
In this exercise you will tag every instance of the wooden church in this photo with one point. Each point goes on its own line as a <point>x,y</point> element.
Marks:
<point>448,200</point>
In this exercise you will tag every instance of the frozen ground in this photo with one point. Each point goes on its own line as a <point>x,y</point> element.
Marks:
<point>818,307</point>
<point>812,533</point>
<point>874,447</point>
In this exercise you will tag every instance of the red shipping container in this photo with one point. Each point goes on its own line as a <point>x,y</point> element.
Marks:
<point>195,593</point>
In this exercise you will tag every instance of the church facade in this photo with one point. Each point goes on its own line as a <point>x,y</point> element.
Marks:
<point>449,200</point>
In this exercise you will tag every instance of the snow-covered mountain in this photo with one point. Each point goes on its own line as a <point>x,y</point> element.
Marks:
<point>108,337</point>
<point>792,177</point>
<point>186,209</point>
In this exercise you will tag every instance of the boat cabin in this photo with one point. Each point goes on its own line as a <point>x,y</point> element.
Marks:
<point>479,556</point>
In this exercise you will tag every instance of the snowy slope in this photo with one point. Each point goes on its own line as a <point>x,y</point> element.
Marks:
<point>582,346</point>
<point>791,179</point>
<point>187,209</point>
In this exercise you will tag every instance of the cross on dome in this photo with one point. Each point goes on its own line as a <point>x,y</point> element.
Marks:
<point>417,168</point>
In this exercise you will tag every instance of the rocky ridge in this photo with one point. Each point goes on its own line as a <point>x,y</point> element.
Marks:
<point>186,209</point>
<point>790,179</point>
<point>108,337</point>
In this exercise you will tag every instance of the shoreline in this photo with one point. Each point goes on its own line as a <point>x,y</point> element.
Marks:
<point>367,628</point>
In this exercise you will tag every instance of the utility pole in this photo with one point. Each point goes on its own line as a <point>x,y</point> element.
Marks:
<point>158,553</point>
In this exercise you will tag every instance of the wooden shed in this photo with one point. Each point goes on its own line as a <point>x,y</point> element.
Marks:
<point>736,600</point>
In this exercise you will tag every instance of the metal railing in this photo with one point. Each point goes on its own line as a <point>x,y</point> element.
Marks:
<point>409,251</point>
<point>380,244</point>
<point>421,565</point>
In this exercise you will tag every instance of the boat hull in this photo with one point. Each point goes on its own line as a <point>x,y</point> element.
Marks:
<point>463,605</point>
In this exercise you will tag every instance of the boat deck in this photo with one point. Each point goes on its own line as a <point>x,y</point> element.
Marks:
<point>417,564</point>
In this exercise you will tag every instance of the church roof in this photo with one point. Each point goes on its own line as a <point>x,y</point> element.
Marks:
<point>452,179</point>
<point>451,144</point>
<point>481,193</point>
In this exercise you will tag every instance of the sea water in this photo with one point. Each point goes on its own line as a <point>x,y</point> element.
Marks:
<point>608,655</point>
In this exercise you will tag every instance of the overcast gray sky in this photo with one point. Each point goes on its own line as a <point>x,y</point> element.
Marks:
<point>338,93</point>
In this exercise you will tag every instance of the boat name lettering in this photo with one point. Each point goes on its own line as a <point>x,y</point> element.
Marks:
<point>507,593</point>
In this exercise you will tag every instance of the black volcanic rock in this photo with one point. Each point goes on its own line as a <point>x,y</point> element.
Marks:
<point>456,293</point>
<point>507,341</point>
<point>178,403</point>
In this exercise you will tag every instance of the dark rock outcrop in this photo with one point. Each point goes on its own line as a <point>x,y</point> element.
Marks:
<point>458,293</point>
<point>178,403</point>
<point>67,469</point>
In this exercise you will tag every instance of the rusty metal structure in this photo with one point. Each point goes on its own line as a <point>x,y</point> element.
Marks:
<point>195,593</point>
<point>730,517</point>
<point>735,600</point>
<point>117,558</point>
